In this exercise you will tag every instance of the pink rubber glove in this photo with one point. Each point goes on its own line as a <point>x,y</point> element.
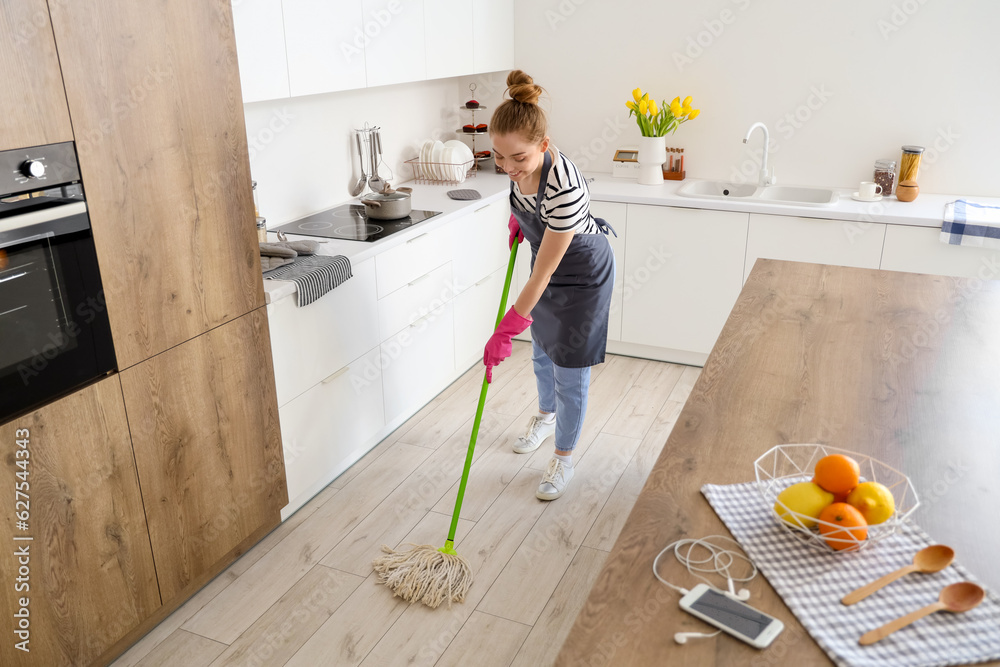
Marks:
<point>499,347</point>
<point>515,232</point>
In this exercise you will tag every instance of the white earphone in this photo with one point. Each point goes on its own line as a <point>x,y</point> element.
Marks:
<point>718,561</point>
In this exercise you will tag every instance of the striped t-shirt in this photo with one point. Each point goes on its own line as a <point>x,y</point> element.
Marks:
<point>566,206</point>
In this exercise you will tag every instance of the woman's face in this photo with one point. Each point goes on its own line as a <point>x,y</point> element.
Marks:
<point>517,156</point>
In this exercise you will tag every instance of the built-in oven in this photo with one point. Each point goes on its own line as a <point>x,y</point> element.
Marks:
<point>55,336</point>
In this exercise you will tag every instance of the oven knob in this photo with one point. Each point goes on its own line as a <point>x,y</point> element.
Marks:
<point>32,169</point>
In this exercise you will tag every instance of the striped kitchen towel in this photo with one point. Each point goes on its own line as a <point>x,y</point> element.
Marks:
<point>971,224</point>
<point>313,275</point>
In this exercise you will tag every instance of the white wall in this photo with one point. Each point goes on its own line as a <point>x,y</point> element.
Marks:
<point>878,74</point>
<point>302,151</point>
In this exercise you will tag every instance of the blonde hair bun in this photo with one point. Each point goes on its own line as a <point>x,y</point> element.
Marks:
<point>521,88</point>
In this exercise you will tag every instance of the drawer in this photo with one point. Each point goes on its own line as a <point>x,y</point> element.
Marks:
<point>414,300</point>
<point>480,241</point>
<point>418,362</point>
<point>475,317</point>
<point>324,429</point>
<point>310,343</point>
<point>403,264</point>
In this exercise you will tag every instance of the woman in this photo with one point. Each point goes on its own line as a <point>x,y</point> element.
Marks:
<point>568,296</point>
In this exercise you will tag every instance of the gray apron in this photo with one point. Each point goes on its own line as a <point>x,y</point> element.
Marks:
<point>570,320</point>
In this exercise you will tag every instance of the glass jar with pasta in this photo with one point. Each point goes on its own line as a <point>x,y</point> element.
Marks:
<point>909,163</point>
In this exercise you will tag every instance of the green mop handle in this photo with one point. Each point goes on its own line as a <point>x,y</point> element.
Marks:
<point>449,546</point>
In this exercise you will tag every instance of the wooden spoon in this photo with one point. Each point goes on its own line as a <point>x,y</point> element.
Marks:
<point>929,559</point>
<point>955,598</point>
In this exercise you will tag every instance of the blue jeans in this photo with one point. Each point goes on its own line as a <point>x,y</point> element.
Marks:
<point>564,392</point>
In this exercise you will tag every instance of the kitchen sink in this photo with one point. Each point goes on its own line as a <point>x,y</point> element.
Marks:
<point>717,190</point>
<point>775,194</point>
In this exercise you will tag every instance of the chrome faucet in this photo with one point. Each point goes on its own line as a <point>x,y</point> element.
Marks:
<point>764,179</point>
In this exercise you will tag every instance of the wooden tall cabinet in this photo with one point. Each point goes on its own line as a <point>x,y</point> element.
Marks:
<point>204,420</point>
<point>80,564</point>
<point>32,102</point>
<point>154,97</point>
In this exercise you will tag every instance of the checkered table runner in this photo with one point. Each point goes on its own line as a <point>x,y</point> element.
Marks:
<point>971,224</point>
<point>812,582</point>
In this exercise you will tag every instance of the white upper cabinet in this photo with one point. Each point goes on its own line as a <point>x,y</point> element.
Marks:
<point>448,38</point>
<point>394,50</point>
<point>325,42</point>
<point>493,34</point>
<point>260,47</point>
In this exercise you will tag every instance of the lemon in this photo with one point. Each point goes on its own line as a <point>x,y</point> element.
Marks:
<point>874,501</point>
<point>805,498</point>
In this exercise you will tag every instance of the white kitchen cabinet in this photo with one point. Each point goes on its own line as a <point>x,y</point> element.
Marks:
<point>493,35</point>
<point>476,316</point>
<point>326,429</point>
<point>408,261</point>
<point>837,242</point>
<point>260,48</point>
<point>310,343</point>
<point>414,300</point>
<point>448,38</point>
<point>325,44</point>
<point>418,362</point>
<point>684,270</point>
<point>395,48</point>
<point>616,215</point>
<point>920,250</point>
<point>480,243</point>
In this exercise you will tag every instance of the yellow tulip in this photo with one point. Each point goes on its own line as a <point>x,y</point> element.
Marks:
<point>685,111</point>
<point>637,95</point>
<point>694,114</point>
<point>677,101</point>
<point>686,102</point>
<point>631,105</point>
<point>652,108</point>
<point>643,106</point>
<point>675,108</point>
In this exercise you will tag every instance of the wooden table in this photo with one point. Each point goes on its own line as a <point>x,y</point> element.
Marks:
<point>904,367</point>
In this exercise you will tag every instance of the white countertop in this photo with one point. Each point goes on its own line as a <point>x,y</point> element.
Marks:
<point>926,211</point>
<point>490,185</point>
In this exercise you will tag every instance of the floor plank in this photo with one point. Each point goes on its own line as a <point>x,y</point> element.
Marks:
<point>243,602</point>
<point>639,407</point>
<point>526,583</point>
<point>292,620</point>
<point>485,641</point>
<point>353,630</point>
<point>552,627</point>
<point>183,648</point>
<point>682,389</point>
<point>421,635</point>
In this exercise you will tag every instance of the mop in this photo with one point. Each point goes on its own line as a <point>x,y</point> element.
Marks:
<point>425,573</point>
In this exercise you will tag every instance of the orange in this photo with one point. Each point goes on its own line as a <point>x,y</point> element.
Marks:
<point>837,473</point>
<point>843,527</point>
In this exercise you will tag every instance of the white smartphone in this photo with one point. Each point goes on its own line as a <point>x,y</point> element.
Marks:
<point>732,616</point>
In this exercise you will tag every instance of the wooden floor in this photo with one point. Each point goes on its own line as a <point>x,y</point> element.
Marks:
<point>306,595</point>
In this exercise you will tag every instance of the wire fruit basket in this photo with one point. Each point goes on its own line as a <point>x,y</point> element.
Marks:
<point>784,465</point>
<point>441,172</point>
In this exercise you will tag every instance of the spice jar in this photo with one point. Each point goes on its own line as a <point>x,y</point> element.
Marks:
<point>262,230</point>
<point>909,163</point>
<point>885,175</point>
<point>256,208</point>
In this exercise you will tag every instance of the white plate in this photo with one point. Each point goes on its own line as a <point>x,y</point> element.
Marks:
<point>464,153</point>
<point>425,157</point>
<point>436,157</point>
<point>455,157</point>
<point>857,197</point>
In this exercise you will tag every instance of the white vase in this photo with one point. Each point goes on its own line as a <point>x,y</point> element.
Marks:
<point>652,155</point>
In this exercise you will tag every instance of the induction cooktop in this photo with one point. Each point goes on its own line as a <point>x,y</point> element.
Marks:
<point>348,222</point>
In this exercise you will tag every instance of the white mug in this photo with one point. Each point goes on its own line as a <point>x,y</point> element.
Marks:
<point>869,190</point>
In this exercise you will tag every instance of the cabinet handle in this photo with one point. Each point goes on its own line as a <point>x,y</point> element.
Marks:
<point>416,238</point>
<point>421,319</point>
<point>336,375</point>
<point>482,281</point>
<point>482,208</point>
<point>419,280</point>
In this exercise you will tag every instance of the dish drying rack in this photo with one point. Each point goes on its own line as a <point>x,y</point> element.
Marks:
<point>438,172</point>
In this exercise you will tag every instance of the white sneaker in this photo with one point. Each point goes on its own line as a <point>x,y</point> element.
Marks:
<point>554,480</point>
<point>538,431</point>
